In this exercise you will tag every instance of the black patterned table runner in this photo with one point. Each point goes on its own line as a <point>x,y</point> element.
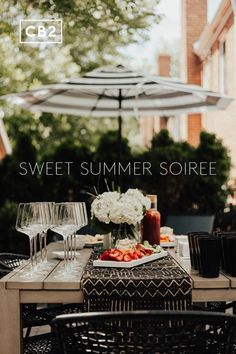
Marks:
<point>161,284</point>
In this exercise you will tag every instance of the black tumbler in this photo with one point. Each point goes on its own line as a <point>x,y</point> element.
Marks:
<point>226,251</point>
<point>197,250</point>
<point>193,247</point>
<point>209,258</point>
<point>231,255</point>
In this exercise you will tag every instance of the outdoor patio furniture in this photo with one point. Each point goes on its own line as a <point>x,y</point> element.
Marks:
<point>182,224</point>
<point>10,261</point>
<point>41,344</point>
<point>3,272</point>
<point>16,290</point>
<point>146,332</point>
<point>31,316</point>
<point>160,284</point>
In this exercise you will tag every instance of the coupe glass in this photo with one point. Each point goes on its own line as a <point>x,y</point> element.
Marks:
<point>30,222</point>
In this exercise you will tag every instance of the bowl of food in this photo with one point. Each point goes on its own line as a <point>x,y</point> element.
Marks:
<point>80,241</point>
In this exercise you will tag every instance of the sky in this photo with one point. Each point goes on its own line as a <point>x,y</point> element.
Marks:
<point>167,32</point>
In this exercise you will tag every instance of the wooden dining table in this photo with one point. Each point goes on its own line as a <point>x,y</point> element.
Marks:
<point>15,289</point>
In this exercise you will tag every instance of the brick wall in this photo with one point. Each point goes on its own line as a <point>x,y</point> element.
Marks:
<point>164,69</point>
<point>223,123</point>
<point>151,125</point>
<point>164,65</point>
<point>194,20</point>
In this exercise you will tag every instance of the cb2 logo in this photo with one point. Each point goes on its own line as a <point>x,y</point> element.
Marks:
<point>40,31</point>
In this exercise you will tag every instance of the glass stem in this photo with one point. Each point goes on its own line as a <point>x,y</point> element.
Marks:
<point>74,240</point>
<point>68,249</point>
<point>31,252</point>
<point>41,245</point>
<point>65,253</point>
<point>35,249</point>
<point>71,247</point>
<point>45,248</point>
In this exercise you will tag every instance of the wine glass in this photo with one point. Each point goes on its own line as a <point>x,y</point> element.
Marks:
<point>30,222</point>
<point>84,214</point>
<point>80,222</point>
<point>65,224</point>
<point>48,217</point>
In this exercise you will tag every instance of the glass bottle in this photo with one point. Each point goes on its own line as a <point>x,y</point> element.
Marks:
<point>151,223</point>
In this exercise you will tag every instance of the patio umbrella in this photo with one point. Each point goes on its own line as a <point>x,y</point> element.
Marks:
<point>117,92</point>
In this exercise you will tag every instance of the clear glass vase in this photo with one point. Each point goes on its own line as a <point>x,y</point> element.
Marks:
<point>124,231</point>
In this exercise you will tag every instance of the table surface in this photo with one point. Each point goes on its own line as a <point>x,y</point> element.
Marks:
<point>51,282</point>
<point>49,288</point>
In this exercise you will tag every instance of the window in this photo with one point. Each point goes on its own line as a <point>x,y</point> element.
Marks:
<point>223,69</point>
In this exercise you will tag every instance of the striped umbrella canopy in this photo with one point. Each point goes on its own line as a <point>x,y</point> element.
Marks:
<point>117,92</point>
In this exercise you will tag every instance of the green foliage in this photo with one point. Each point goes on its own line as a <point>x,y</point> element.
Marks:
<point>209,193</point>
<point>93,33</point>
<point>187,193</point>
<point>176,193</point>
<point>169,188</point>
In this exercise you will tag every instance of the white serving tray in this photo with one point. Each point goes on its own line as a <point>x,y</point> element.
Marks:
<point>134,263</point>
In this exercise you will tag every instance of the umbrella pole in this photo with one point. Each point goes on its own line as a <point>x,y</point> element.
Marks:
<point>119,179</point>
<point>120,135</point>
<point>119,125</point>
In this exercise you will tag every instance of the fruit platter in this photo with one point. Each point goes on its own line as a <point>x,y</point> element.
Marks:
<point>129,255</point>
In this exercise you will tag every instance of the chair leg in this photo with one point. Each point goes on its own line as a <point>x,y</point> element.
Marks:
<point>234,307</point>
<point>28,332</point>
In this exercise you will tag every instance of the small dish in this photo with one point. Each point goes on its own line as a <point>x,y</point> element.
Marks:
<point>167,244</point>
<point>60,254</point>
<point>80,242</point>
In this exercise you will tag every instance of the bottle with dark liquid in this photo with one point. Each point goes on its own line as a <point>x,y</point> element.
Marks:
<point>151,223</point>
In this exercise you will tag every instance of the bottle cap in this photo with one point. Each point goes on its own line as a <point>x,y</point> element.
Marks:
<point>152,197</point>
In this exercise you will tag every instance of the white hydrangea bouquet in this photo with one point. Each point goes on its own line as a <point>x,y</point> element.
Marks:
<point>119,213</point>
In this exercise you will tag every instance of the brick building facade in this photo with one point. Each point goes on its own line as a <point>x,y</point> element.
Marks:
<point>152,125</point>
<point>208,59</point>
<point>216,50</point>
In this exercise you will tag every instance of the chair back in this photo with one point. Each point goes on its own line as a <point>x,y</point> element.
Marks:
<point>146,332</point>
<point>182,224</point>
<point>3,272</point>
<point>11,261</point>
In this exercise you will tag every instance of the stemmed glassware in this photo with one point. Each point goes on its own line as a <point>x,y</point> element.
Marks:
<point>30,221</point>
<point>35,219</point>
<point>48,215</point>
<point>81,221</point>
<point>65,224</point>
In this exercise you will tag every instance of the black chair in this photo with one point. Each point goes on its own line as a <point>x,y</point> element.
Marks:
<point>11,261</point>
<point>182,224</point>
<point>146,332</point>
<point>41,344</point>
<point>3,272</point>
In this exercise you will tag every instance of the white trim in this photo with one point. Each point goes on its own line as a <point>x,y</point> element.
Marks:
<point>204,44</point>
<point>234,5</point>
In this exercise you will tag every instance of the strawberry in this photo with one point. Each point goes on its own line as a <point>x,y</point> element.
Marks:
<point>105,256</point>
<point>115,253</point>
<point>127,258</point>
<point>137,254</point>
